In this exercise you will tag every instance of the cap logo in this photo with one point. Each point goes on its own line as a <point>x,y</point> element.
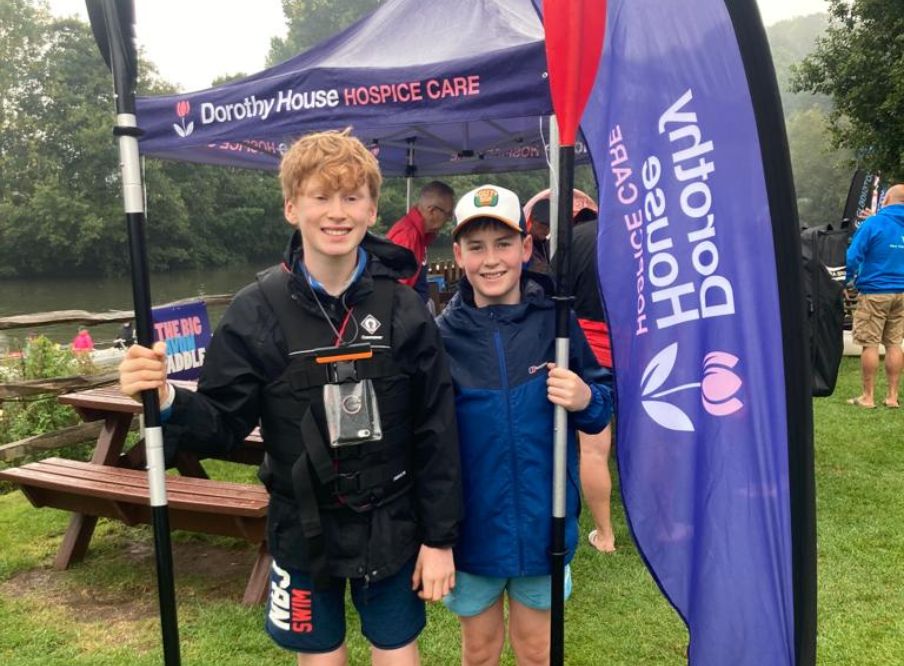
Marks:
<point>486,197</point>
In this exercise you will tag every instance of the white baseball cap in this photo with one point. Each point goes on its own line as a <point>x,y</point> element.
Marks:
<point>489,201</point>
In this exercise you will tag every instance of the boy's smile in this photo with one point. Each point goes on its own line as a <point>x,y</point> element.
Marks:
<point>491,258</point>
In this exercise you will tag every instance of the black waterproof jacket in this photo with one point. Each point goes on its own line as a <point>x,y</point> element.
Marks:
<point>248,351</point>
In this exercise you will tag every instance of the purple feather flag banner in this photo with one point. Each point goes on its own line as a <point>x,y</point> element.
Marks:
<point>688,270</point>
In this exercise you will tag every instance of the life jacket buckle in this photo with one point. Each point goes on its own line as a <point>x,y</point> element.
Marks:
<point>342,371</point>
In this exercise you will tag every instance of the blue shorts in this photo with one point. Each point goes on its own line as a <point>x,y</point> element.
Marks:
<point>302,619</point>
<point>474,594</point>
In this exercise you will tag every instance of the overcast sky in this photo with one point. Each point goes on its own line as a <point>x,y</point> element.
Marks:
<point>194,41</point>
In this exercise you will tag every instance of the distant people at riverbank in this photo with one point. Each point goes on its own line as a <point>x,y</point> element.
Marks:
<point>419,228</point>
<point>126,336</point>
<point>82,343</point>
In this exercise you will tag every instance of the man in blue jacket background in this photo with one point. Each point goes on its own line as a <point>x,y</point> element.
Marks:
<point>875,265</point>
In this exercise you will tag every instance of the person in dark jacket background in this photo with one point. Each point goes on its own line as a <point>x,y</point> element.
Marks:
<point>499,334</point>
<point>875,265</point>
<point>381,512</point>
<point>596,481</point>
<point>538,228</point>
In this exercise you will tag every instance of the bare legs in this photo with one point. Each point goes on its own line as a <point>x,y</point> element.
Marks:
<point>869,368</point>
<point>894,358</point>
<point>596,483</point>
<point>403,656</point>
<point>869,365</point>
<point>337,657</point>
<point>483,635</point>
<point>529,630</point>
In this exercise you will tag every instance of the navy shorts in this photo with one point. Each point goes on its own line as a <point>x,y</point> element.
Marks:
<point>302,619</point>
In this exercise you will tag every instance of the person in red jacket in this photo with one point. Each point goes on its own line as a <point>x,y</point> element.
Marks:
<point>417,230</point>
<point>82,342</point>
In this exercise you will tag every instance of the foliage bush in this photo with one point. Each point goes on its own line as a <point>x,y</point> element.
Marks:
<point>42,359</point>
<point>859,63</point>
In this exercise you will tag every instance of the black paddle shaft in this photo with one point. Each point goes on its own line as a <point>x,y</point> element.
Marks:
<point>112,22</point>
<point>563,300</point>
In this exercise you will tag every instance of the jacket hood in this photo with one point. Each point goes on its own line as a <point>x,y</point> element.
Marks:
<point>385,258</point>
<point>893,213</point>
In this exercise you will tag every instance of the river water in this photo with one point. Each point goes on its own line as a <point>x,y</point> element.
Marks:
<point>97,294</point>
<point>35,295</point>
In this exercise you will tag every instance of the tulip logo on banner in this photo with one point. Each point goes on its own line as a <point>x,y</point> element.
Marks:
<point>718,388</point>
<point>182,109</point>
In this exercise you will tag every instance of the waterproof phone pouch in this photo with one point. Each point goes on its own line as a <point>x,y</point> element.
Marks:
<point>350,403</point>
<point>352,414</point>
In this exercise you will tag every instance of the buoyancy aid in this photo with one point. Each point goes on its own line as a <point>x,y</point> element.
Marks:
<point>301,464</point>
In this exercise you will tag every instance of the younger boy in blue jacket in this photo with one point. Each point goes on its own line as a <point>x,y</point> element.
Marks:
<point>499,335</point>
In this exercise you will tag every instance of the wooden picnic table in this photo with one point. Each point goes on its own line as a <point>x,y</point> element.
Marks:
<point>117,410</point>
<point>218,507</point>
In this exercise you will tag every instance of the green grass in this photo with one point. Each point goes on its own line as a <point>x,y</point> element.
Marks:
<point>103,611</point>
<point>860,524</point>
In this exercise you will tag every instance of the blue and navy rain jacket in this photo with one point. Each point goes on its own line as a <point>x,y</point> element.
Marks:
<point>498,357</point>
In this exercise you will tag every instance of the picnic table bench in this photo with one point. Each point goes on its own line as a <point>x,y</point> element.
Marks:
<point>201,505</point>
<point>114,485</point>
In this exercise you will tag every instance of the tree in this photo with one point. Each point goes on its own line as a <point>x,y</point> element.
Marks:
<point>58,179</point>
<point>312,21</point>
<point>860,64</point>
<point>60,198</point>
<point>232,215</point>
<point>790,42</point>
<point>821,175</point>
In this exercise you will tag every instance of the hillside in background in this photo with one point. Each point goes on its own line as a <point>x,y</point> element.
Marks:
<point>791,41</point>
<point>821,172</point>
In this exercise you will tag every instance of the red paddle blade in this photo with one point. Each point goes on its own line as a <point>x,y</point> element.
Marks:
<point>575,30</point>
